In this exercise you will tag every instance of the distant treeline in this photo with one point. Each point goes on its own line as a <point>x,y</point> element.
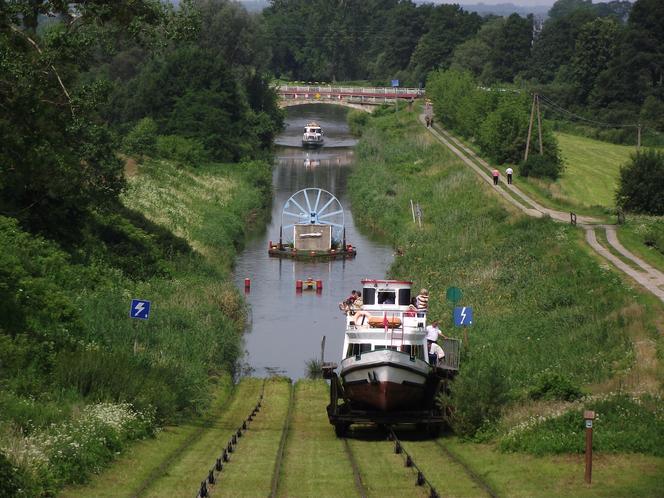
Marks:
<point>606,57</point>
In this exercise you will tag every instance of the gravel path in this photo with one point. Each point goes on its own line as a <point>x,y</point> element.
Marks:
<point>647,276</point>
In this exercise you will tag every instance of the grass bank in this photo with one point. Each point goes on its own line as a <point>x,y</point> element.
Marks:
<point>543,306</point>
<point>72,357</point>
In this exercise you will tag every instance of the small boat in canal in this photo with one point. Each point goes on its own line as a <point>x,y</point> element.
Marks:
<point>385,376</point>
<point>313,135</point>
<point>312,227</point>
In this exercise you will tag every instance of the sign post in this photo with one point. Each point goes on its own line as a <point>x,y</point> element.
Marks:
<point>589,416</point>
<point>139,309</point>
<point>395,84</point>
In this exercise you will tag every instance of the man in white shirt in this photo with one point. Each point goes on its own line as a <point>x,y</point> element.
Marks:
<point>433,332</point>
<point>509,172</point>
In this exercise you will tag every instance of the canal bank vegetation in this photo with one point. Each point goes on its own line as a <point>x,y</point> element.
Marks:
<point>118,183</point>
<point>551,324</point>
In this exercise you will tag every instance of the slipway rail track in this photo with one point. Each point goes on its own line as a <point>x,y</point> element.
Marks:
<point>648,277</point>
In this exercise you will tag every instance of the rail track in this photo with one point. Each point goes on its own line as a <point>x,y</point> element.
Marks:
<point>430,485</point>
<point>305,458</point>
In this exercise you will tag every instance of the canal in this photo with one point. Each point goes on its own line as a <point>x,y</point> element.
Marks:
<point>285,328</point>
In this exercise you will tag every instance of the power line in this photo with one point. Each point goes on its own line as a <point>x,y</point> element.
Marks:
<point>556,107</point>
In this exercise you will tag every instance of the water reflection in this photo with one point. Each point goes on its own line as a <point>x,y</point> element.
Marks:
<point>286,328</point>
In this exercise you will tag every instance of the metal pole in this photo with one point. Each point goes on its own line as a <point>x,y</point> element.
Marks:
<point>589,416</point>
<point>322,351</point>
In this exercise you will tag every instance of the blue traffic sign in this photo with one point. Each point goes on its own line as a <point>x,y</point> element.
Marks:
<point>463,316</point>
<point>395,83</point>
<point>139,309</point>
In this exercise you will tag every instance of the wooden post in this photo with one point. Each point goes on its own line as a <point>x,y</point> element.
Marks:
<point>638,136</point>
<point>539,125</point>
<point>589,416</point>
<point>530,127</point>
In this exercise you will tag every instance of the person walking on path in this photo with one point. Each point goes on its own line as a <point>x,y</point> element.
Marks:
<point>509,172</point>
<point>495,173</point>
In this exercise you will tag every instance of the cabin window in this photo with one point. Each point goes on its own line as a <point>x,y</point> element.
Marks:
<point>369,295</point>
<point>357,349</point>
<point>404,297</point>
<point>386,297</point>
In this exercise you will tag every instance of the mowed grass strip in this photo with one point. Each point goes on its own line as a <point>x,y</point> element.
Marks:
<point>383,472</point>
<point>129,474</point>
<point>592,169</point>
<point>448,477</point>
<point>184,476</point>
<point>315,462</point>
<point>249,473</point>
<point>517,475</point>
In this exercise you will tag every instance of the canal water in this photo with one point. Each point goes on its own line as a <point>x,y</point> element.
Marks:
<point>286,328</point>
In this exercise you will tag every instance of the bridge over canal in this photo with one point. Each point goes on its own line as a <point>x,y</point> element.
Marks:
<point>364,98</point>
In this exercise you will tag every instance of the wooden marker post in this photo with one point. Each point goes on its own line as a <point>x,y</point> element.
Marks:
<point>589,416</point>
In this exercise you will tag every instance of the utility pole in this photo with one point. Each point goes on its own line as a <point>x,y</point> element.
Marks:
<point>539,125</point>
<point>530,127</point>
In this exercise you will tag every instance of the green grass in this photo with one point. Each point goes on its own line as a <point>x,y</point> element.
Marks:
<point>315,463</point>
<point>633,234</point>
<point>592,169</point>
<point>541,302</point>
<point>447,476</point>
<point>383,471</point>
<point>135,469</point>
<point>184,476</point>
<point>527,476</point>
<point>251,468</point>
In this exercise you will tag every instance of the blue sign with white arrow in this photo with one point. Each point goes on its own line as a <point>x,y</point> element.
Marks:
<point>139,309</point>
<point>463,316</point>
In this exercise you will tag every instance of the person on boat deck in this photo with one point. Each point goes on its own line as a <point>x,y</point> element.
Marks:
<point>357,304</point>
<point>347,304</point>
<point>436,354</point>
<point>433,333</point>
<point>422,300</point>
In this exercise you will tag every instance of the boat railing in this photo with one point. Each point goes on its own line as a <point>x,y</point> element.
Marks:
<point>452,349</point>
<point>393,320</point>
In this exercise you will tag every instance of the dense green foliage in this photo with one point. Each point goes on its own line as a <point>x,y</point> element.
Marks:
<point>497,121</point>
<point>78,239</point>
<point>641,187</point>
<point>509,267</point>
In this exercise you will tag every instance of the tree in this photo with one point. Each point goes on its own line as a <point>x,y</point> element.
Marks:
<point>511,50</point>
<point>563,8</point>
<point>641,184</point>
<point>448,26</point>
<point>595,48</point>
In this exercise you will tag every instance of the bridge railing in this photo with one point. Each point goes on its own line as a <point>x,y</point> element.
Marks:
<point>350,91</point>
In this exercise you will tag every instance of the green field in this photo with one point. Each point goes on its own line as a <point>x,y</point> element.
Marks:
<point>592,170</point>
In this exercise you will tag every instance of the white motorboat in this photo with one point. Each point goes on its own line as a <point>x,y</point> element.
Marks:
<point>313,135</point>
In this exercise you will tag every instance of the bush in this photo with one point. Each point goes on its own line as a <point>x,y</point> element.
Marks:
<point>357,122</point>
<point>641,184</point>
<point>141,139</point>
<point>541,166</point>
<point>552,385</point>
<point>182,150</point>
<point>478,396</point>
<point>313,369</point>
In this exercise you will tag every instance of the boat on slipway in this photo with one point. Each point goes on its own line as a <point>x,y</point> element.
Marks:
<point>312,135</point>
<point>385,375</point>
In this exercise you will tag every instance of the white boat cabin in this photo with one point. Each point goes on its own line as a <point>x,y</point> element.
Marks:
<point>386,321</point>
